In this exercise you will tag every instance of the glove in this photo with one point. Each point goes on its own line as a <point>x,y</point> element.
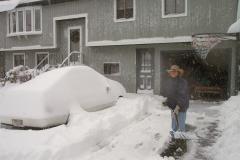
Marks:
<point>176,110</point>
<point>164,103</point>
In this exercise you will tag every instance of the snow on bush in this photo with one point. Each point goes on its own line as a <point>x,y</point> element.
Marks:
<point>19,74</point>
<point>227,147</point>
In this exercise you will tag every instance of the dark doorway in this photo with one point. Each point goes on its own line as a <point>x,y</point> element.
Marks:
<point>208,79</point>
<point>145,72</point>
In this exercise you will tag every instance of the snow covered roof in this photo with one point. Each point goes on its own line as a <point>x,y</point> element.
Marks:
<point>8,5</point>
<point>29,1</point>
<point>235,27</point>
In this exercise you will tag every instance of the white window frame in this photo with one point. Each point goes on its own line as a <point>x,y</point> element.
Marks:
<point>80,38</point>
<point>17,21</point>
<point>37,53</point>
<point>69,41</point>
<point>11,22</point>
<point>174,15</point>
<point>8,24</point>
<point>15,54</point>
<point>114,74</point>
<point>124,19</point>
<point>28,9</point>
<point>34,24</point>
<point>24,9</point>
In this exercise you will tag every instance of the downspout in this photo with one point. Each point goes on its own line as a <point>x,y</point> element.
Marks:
<point>237,78</point>
<point>237,81</point>
<point>238,10</point>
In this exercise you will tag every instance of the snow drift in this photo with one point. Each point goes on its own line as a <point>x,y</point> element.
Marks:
<point>47,99</point>
<point>133,129</point>
<point>227,146</point>
<point>235,27</point>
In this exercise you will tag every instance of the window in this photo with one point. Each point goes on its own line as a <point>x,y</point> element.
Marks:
<point>9,22</point>
<point>18,59</point>
<point>42,58</point>
<point>38,22</point>
<point>20,21</point>
<point>111,68</point>
<point>28,20</point>
<point>124,10</point>
<point>25,21</point>
<point>174,8</point>
<point>13,21</point>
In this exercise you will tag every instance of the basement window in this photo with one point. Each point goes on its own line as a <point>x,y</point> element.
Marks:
<point>41,59</point>
<point>18,59</point>
<point>111,68</point>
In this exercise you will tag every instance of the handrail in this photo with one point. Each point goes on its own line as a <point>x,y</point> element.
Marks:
<point>67,58</point>
<point>41,62</point>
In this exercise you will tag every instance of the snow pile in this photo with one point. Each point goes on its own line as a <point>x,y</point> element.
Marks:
<point>227,147</point>
<point>134,129</point>
<point>235,27</point>
<point>51,95</point>
<point>8,5</point>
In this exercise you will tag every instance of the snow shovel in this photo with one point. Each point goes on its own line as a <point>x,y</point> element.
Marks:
<point>179,134</point>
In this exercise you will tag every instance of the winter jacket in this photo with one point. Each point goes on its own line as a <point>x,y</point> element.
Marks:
<point>177,94</point>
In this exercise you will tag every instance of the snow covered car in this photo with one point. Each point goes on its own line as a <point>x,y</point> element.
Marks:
<point>47,100</point>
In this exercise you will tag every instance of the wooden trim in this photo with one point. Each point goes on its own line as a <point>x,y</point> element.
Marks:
<point>114,74</point>
<point>36,53</point>
<point>24,9</point>
<point>174,15</point>
<point>80,38</point>
<point>14,54</point>
<point>124,19</point>
<point>76,16</point>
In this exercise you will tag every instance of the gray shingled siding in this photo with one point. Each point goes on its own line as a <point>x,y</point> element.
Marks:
<point>203,16</point>
<point>126,55</point>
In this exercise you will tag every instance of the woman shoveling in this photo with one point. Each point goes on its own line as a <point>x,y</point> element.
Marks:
<point>178,101</point>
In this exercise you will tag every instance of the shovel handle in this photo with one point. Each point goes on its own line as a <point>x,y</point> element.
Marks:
<point>176,117</point>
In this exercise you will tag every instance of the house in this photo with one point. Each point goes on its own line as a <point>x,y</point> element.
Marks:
<point>132,41</point>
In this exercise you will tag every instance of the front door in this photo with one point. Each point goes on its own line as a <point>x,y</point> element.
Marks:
<point>74,44</point>
<point>145,70</point>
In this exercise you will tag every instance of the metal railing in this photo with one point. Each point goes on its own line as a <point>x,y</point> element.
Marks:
<point>68,59</point>
<point>41,62</point>
<point>36,68</point>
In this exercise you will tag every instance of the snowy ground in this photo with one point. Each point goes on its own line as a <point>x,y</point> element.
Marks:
<point>134,129</point>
